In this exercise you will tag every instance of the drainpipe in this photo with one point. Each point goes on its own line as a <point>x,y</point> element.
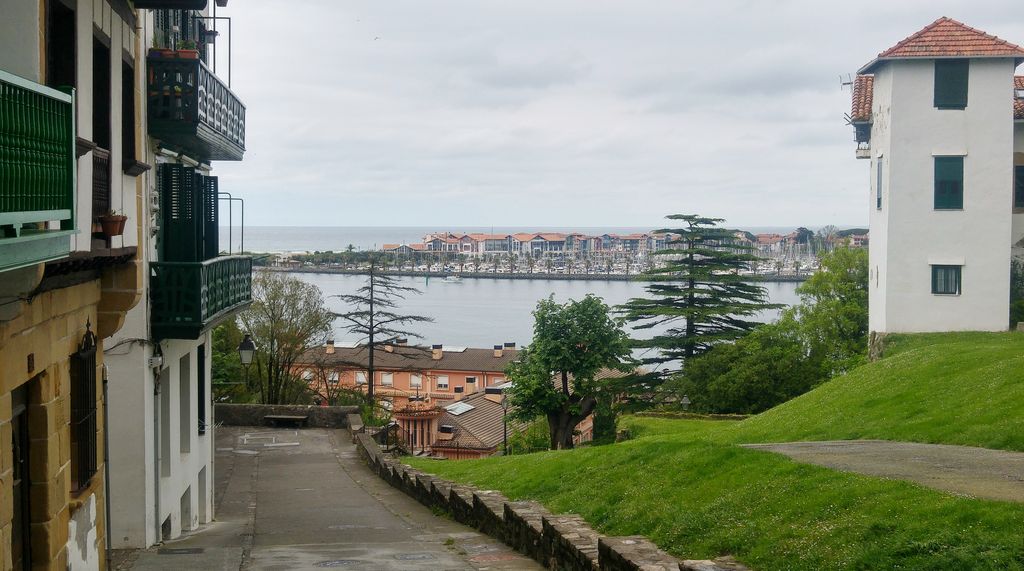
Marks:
<point>106,457</point>
<point>156,451</point>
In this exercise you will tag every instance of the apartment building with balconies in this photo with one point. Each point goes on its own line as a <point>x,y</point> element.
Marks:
<point>159,364</point>
<point>71,76</point>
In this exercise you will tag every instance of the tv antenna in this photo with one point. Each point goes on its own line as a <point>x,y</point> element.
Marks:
<point>845,81</point>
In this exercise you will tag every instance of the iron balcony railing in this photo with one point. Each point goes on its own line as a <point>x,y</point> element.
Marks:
<point>192,110</point>
<point>37,172</point>
<point>187,298</point>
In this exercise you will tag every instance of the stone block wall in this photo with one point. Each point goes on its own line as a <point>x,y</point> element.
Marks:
<point>252,414</point>
<point>35,350</point>
<point>562,542</point>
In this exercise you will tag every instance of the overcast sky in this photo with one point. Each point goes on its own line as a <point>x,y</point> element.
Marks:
<point>450,113</point>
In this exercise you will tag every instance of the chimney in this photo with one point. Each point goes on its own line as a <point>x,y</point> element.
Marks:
<point>389,347</point>
<point>498,352</point>
<point>403,341</point>
<point>330,347</point>
<point>510,346</point>
<point>436,352</point>
<point>494,394</point>
<point>470,385</point>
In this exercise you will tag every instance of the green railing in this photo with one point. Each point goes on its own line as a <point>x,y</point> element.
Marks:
<point>37,172</point>
<point>187,298</point>
<point>191,109</point>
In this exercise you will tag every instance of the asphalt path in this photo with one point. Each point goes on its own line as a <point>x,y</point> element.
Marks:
<point>961,470</point>
<point>302,499</point>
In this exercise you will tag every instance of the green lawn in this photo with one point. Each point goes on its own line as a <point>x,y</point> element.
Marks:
<point>684,483</point>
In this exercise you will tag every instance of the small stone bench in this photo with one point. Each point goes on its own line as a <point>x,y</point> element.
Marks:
<point>286,419</point>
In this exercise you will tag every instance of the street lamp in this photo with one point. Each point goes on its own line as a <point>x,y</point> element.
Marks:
<point>246,351</point>
<point>504,424</point>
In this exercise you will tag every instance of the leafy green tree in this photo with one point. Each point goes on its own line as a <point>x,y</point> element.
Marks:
<point>698,295</point>
<point>822,336</point>
<point>226,373</point>
<point>563,371</point>
<point>287,315</point>
<point>1016,292</point>
<point>764,369</point>
<point>833,310</point>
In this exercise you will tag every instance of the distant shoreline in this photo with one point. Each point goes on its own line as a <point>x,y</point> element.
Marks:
<point>515,276</point>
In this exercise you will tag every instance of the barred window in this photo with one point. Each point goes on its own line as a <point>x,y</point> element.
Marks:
<point>83,412</point>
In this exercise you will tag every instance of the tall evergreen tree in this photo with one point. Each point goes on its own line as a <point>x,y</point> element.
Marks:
<point>374,317</point>
<point>699,296</point>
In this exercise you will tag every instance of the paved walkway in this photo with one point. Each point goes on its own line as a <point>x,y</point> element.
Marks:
<point>302,499</point>
<point>964,470</point>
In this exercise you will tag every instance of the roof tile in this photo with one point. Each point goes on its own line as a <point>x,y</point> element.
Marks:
<point>863,93</point>
<point>947,37</point>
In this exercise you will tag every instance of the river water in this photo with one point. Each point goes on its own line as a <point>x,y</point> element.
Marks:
<point>484,312</point>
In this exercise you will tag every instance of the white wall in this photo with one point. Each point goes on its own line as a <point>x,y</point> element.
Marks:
<point>19,40</point>
<point>912,234</point>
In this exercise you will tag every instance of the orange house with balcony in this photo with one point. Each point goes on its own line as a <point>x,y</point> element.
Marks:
<point>438,375</point>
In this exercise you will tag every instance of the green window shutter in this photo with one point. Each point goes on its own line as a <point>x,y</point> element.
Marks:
<point>949,183</point>
<point>951,77</point>
<point>1018,187</point>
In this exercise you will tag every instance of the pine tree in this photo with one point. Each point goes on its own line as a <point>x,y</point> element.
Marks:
<point>699,296</point>
<point>373,316</point>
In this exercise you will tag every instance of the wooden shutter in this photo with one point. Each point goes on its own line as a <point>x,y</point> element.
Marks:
<point>182,213</point>
<point>949,183</point>
<point>951,77</point>
<point>211,233</point>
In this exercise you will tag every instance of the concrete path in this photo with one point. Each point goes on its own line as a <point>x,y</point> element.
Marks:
<point>962,470</point>
<point>302,499</point>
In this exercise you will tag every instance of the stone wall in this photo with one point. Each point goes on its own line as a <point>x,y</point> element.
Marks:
<point>562,542</point>
<point>252,414</point>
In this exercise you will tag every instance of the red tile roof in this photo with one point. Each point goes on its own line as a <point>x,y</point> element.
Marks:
<point>1018,104</point>
<point>863,92</point>
<point>947,37</point>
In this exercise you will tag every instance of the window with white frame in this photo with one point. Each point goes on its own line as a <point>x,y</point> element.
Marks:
<point>360,377</point>
<point>416,381</point>
<point>333,377</point>
<point>307,375</point>
<point>442,381</point>
<point>387,378</point>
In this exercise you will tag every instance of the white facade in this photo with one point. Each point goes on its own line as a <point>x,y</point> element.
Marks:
<point>908,234</point>
<point>161,435</point>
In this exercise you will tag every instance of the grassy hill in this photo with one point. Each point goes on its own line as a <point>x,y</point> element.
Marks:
<point>686,485</point>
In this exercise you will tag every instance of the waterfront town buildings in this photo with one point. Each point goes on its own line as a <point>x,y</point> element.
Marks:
<point>97,280</point>
<point>940,119</point>
<point>538,244</point>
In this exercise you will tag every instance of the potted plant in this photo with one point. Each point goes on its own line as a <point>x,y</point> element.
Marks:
<point>113,223</point>
<point>188,50</point>
<point>157,52</point>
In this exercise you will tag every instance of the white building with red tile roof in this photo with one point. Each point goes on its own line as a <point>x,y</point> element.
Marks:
<point>940,120</point>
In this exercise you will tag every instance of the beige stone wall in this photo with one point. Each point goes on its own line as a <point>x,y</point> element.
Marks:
<point>35,349</point>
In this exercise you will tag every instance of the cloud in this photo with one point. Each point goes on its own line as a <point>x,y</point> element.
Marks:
<point>569,113</point>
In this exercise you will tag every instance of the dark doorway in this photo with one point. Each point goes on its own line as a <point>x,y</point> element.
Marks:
<point>21,545</point>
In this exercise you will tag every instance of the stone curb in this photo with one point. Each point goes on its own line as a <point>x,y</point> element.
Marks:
<point>562,542</point>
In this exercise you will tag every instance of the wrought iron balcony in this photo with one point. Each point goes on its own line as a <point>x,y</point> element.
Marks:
<point>37,172</point>
<point>187,298</point>
<point>192,110</point>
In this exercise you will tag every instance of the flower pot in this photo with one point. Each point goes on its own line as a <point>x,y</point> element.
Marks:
<point>162,53</point>
<point>113,225</point>
<point>188,54</point>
